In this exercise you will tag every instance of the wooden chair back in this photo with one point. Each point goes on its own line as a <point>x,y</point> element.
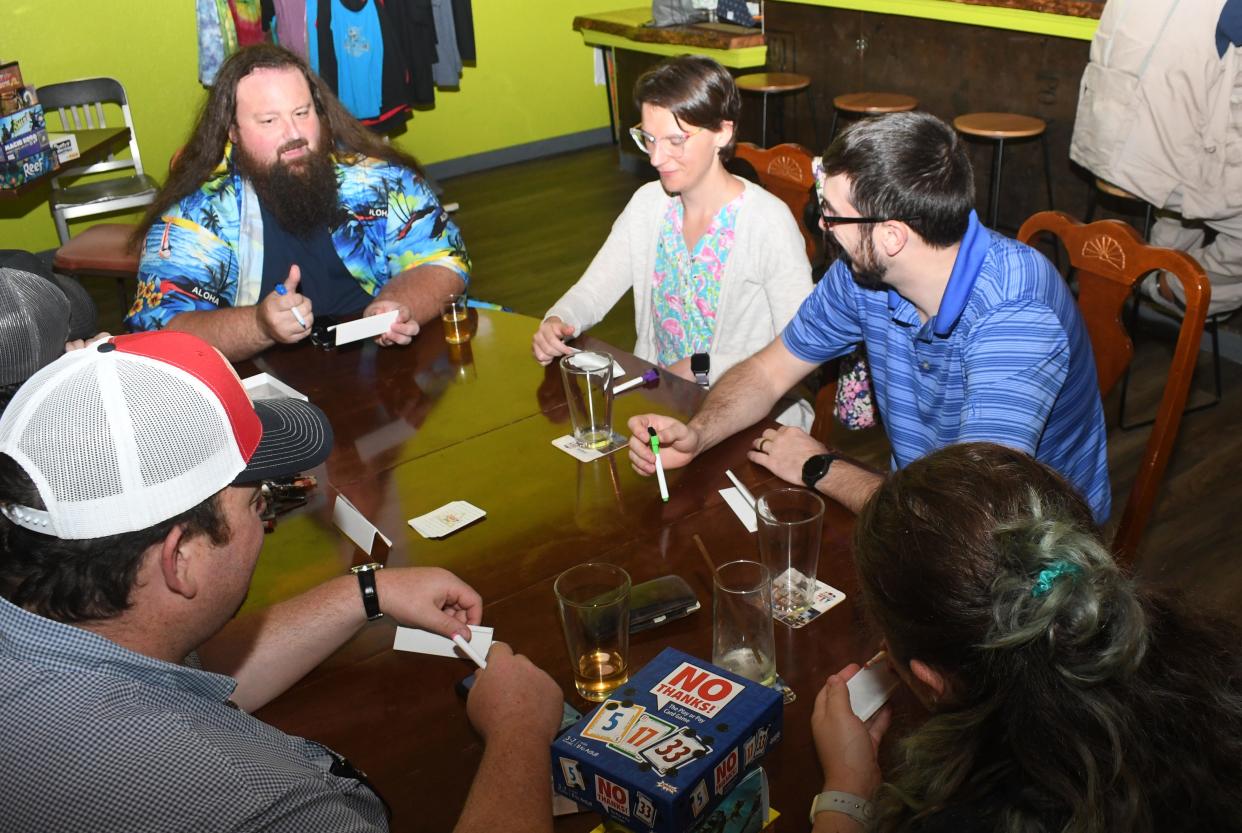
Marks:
<point>785,172</point>
<point>1110,258</point>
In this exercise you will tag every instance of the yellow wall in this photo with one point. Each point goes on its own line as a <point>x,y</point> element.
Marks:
<point>533,80</point>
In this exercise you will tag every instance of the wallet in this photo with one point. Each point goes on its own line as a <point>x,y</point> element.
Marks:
<point>660,600</point>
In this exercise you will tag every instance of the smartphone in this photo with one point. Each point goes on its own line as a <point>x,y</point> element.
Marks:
<point>660,600</point>
<point>569,715</point>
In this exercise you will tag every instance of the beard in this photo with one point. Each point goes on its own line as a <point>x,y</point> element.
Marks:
<point>300,193</point>
<point>866,269</point>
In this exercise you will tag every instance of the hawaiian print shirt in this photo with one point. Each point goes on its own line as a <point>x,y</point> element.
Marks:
<point>687,284</point>
<point>207,251</point>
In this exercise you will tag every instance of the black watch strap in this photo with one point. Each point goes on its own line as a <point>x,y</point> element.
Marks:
<point>816,468</point>
<point>701,367</point>
<point>366,583</point>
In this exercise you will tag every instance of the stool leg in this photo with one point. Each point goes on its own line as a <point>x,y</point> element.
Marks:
<point>1043,140</point>
<point>764,132</point>
<point>998,160</point>
<point>832,134</point>
<point>778,112</point>
<point>1147,218</point>
<point>810,103</point>
<point>1091,200</point>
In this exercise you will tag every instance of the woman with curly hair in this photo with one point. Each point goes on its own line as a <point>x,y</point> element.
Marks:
<point>1063,696</point>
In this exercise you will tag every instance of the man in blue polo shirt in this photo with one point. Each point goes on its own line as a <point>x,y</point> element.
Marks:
<point>970,335</point>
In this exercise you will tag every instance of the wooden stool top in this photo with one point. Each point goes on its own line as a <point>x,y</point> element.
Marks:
<point>773,82</point>
<point>875,102</point>
<point>1116,191</point>
<point>103,249</point>
<point>999,125</point>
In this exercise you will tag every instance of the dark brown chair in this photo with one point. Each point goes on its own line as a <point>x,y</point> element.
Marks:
<point>785,172</point>
<point>1110,259</point>
<point>101,251</point>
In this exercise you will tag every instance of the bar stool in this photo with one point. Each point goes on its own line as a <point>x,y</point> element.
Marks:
<point>857,105</point>
<point>1122,194</point>
<point>778,84</point>
<point>999,128</point>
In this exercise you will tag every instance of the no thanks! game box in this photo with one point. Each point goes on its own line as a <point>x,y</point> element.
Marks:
<point>668,745</point>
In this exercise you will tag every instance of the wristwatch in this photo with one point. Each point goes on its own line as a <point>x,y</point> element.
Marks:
<point>815,468</point>
<point>700,366</point>
<point>366,583</point>
<point>857,808</point>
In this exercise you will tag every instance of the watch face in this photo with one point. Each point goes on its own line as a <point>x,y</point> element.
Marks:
<point>814,469</point>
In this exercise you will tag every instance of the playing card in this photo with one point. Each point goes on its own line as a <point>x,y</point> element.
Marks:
<point>355,526</point>
<point>612,721</point>
<point>646,730</point>
<point>826,597</point>
<point>369,327</point>
<point>448,518</point>
<point>675,751</point>
<point>870,688</point>
<point>419,641</point>
<point>744,511</point>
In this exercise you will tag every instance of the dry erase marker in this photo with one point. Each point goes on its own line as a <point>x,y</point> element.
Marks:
<point>280,290</point>
<point>655,448</point>
<point>741,490</point>
<point>650,376</point>
<point>469,651</point>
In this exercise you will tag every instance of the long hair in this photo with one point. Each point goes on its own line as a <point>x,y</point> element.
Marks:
<point>696,90</point>
<point>204,150</point>
<point>1075,701</point>
<point>908,166</point>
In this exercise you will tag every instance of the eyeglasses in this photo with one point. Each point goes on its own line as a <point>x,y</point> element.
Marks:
<point>829,220</point>
<point>647,143</point>
<point>280,496</point>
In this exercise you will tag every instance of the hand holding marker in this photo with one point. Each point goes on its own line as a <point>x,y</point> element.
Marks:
<point>280,290</point>
<point>655,449</point>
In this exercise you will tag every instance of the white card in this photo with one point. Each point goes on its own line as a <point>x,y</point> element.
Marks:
<point>612,722</point>
<point>870,688</point>
<point>266,386</point>
<point>420,641</point>
<point>742,508</point>
<point>355,526</point>
<point>448,518</point>
<point>369,327</point>
<point>570,446</point>
<point>617,370</point>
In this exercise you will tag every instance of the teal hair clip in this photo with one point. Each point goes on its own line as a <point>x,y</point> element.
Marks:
<point>1048,575</point>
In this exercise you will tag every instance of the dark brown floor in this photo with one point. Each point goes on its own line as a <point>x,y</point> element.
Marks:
<point>533,228</point>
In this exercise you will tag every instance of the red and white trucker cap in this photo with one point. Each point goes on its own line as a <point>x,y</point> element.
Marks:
<point>137,429</point>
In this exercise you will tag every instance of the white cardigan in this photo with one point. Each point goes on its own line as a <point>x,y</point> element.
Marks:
<point>766,276</point>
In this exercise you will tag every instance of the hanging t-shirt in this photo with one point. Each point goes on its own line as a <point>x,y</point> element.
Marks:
<point>291,26</point>
<point>247,18</point>
<point>359,47</point>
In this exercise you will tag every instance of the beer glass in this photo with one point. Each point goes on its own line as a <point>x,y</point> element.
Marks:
<point>587,377</point>
<point>594,602</point>
<point>456,320</point>
<point>790,523</point>
<point>742,640</point>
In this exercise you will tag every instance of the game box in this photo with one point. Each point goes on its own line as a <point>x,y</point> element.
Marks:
<point>669,745</point>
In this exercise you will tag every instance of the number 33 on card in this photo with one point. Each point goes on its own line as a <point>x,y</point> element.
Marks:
<point>675,751</point>
<point>611,722</point>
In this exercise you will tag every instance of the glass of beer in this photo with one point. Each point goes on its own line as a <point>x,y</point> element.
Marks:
<point>588,378</point>
<point>456,320</point>
<point>742,638</point>
<point>790,524</point>
<point>594,601</point>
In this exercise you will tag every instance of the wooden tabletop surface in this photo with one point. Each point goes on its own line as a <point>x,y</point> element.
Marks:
<point>420,426</point>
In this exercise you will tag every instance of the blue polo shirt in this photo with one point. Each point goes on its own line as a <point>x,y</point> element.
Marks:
<point>1006,359</point>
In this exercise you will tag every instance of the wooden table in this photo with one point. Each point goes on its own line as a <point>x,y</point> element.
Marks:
<point>93,146</point>
<point>420,426</point>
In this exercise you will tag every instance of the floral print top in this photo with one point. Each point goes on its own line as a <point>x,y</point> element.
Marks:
<point>687,283</point>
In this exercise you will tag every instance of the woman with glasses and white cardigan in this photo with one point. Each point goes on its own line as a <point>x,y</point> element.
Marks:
<point>717,265</point>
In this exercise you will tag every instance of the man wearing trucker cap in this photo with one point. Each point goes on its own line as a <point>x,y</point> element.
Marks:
<point>130,525</point>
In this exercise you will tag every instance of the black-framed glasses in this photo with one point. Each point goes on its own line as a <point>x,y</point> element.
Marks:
<point>830,220</point>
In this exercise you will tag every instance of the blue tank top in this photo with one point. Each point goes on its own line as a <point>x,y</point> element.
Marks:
<point>359,58</point>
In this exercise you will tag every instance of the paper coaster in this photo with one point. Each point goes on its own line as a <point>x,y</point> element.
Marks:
<point>826,598</point>
<point>448,518</point>
<point>586,455</point>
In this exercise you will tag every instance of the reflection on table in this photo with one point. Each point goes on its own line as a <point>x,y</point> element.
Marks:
<point>420,426</point>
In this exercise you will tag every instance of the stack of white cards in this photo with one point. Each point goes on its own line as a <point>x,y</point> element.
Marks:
<point>448,518</point>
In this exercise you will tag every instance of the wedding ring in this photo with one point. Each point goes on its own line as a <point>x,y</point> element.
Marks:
<point>761,442</point>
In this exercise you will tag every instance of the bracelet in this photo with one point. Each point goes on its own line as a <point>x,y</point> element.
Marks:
<point>856,807</point>
<point>366,584</point>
